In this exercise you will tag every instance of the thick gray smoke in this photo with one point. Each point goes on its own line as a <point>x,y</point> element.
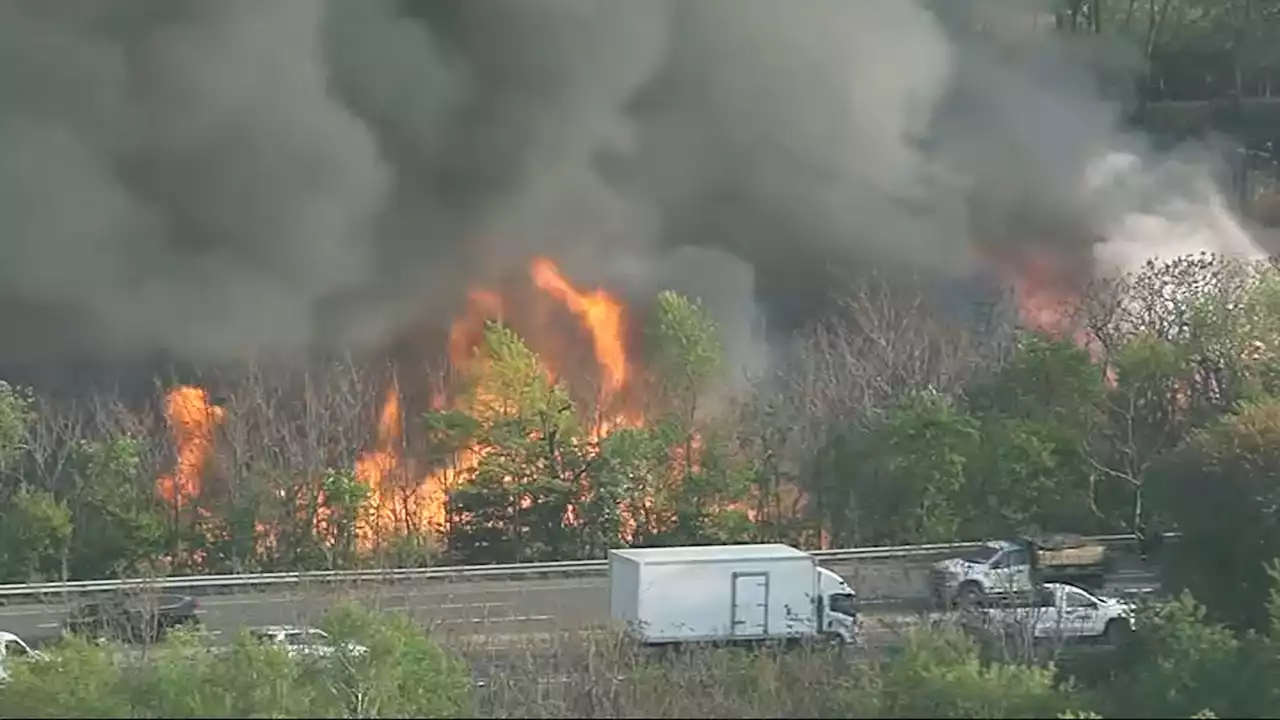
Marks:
<point>223,179</point>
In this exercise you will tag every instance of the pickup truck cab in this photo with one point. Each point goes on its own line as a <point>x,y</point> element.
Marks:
<point>14,648</point>
<point>1062,612</point>
<point>1000,569</point>
<point>302,641</point>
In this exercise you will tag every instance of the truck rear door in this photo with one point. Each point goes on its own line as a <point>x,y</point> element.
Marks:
<point>750,603</point>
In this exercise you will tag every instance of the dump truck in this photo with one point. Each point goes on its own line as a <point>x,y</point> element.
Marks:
<point>728,594</point>
<point>1014,568</point>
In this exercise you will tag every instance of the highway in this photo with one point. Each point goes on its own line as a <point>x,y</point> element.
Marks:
<point>891,591</point>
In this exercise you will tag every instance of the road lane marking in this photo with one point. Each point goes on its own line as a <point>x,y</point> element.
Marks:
<point>25,613</point>
<point>496,620</point>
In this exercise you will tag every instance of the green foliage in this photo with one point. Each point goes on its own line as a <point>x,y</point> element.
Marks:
<point>512,505</point>
<point>512,383</point>
<point>1182,664</point>
<point>1046,380</point>
<point>79,680</point>
<point>119,524</point>
<point>1221,489</point>
<point>17,413</point>
<point>939,674</point>
<point>402,674</point>
<point>35,535</point>
<point>897,478</point>
<point>687,351</point>
<point>1037,412</point>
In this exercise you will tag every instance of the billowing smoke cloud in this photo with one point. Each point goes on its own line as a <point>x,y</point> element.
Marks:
<point>221,179</point>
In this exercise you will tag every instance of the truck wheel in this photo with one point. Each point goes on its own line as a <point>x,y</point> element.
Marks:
<point>835,640</point>
<point>1117,631</point>
<point>969,595</point>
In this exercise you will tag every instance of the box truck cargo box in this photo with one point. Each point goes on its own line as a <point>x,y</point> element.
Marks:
<point>728,593</point>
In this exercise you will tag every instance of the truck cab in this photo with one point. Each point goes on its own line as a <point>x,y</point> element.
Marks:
<point>1013,568</point>
<point>998,567</point>
<point>837,607</point>
<point>14,648</point>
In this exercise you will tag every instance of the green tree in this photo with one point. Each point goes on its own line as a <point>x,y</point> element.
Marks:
<point>17,413</point>
<point>898,478</point>
<point>1180,663</point>
<point>940,674</point>
<point>1144,416</point>
<point>687,354</point>
<point>534,464</point>
<point>402,673</point>
<point>80,680</point>
<point>1036,414</point>
<point>687,360</point>
<point>35,536</point>
<point>344,501</point>
<point>1221,488</point>
<point>119,523</point>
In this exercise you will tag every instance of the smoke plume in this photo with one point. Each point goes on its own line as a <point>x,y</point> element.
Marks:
<point>217,180</point>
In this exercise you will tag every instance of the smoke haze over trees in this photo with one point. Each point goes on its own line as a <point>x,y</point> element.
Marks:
<point>240,179</point>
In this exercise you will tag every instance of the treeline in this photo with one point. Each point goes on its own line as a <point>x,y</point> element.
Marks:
<point>1150,404</point>
<point>1177,665</point>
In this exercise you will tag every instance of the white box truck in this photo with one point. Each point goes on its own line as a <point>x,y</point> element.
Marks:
<point>728,594</point>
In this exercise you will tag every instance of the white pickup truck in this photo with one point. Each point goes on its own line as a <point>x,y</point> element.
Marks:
<point>1061,612</point>
<point>13,648</point>
<point>1000,569</point>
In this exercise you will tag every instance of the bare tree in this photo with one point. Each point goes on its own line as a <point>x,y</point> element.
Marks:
<point>884,336</point>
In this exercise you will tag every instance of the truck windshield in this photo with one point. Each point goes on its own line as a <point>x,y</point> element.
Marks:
<point>843,603</point>
<point>982,554</point>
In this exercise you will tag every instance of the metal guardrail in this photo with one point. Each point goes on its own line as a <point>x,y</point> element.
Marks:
<point>513,571</point>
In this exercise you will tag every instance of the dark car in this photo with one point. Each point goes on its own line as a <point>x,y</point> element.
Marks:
<point>142,619</point>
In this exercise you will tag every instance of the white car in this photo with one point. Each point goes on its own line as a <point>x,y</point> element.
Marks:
<point>303,641</point>
<point>13,647</point>
<point>1066,612</point>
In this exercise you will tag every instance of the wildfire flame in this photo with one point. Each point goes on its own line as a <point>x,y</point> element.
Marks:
<point>405,497</point>
<point>1048,304</point>
<point>192,420</point>
<point>387,474</point>
<point>599,312</point>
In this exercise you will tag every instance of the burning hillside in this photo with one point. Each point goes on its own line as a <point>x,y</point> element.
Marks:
<point>581,341</point>
<point>558,321</point>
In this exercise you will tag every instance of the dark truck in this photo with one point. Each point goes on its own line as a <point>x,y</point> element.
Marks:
<point>1005,568</point>
<point>142,619</point>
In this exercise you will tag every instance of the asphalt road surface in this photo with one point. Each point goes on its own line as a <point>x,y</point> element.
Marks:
<point>503,609</point>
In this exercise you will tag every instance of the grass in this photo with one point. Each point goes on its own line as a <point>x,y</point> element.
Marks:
<point>602,674</point>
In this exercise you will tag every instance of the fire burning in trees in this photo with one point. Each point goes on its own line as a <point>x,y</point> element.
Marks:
<point>405,497</point>
<point>192,421</point>
<point>409,497</point>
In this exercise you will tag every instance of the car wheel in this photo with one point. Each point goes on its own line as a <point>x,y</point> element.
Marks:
<point>1117,631</point>
<point>970,595</point>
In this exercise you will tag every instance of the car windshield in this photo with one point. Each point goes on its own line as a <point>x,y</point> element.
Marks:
<point>305,637</point>
<point>12,648</point>
<point>981,554</point>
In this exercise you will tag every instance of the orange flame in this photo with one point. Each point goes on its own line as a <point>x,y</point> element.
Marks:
<point>599,312</point>
<point>403,498</point>
<point>394,503</point>
<point>192,419</point>
<point>1050,305</point>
